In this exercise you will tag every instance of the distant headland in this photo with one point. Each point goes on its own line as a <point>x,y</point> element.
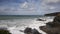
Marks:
<point>52,14</point>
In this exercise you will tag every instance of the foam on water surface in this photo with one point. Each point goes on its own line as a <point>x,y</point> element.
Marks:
<point>32,23</point>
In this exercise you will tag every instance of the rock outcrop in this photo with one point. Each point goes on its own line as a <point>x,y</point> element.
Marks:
<point>41,20</point>
<point>52,27</point>
<point>28,30</point>
<point>31,31</point>
<point>34,31</point>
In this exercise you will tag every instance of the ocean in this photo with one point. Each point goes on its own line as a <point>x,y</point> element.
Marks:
<point>15,23</point>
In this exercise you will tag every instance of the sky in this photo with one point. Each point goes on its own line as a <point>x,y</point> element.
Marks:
<point>28,7</point>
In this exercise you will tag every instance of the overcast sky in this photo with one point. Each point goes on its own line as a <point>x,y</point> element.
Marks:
<point>28,7</point>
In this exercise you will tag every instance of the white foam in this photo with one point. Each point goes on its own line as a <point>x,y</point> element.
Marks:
<point>33,24</point>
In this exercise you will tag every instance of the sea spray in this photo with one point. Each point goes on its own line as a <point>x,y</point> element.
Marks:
<point>15,25</point>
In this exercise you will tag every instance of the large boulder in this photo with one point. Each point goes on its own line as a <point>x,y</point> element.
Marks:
<point>31,31</point>
<point>34,31</point>
<point>28,30</point>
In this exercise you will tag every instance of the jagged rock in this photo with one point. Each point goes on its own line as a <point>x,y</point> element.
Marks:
<point>52,27</point>
<point>31,31</point>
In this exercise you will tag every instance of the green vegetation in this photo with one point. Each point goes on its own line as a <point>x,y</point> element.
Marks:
<point>4,32</point>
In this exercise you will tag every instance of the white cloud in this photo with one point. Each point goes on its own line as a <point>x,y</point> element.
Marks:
<point>31,7</point>
<point>48,1</point>
<point>24,5</point>
<point>50,6</point>
<point>18,8</point>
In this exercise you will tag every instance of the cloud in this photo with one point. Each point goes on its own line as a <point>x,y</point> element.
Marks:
<point>49,1</point>
<point>25,7</point>
<point>35,7</point>
<point>50,6</point>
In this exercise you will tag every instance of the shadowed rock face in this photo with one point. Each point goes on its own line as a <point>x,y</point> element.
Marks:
<point>52,27</point>
<point>50,30</point>
<point>57,19</point>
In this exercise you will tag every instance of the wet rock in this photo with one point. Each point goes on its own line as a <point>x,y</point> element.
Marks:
<point>40,20</point>
<point>34,31</point>
<point>31,31</point>
<point>52,27</point>
<point>28,30</point>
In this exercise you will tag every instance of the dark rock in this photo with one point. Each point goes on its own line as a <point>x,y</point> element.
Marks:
<point>50,24</point>
<point>52,27</point>
<point>40,20</point>
<point>31,31</point>
<point>57,19</point>
<point>50,30</point>
<point>2,31</point>
<point>52,14</point>
<point>34,31</point>
<point>28,30</point>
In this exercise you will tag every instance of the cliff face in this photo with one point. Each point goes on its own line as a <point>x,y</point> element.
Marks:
<point>52,14</point>
<point>52,27</point>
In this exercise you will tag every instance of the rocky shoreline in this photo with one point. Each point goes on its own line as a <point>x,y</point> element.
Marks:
<point>52,27</point>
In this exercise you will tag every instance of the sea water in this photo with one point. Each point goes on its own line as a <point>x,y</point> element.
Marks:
<point>16,23</point>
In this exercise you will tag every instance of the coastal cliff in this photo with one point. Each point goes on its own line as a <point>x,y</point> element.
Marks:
<point>52,27</point>
<point>52,14</point>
